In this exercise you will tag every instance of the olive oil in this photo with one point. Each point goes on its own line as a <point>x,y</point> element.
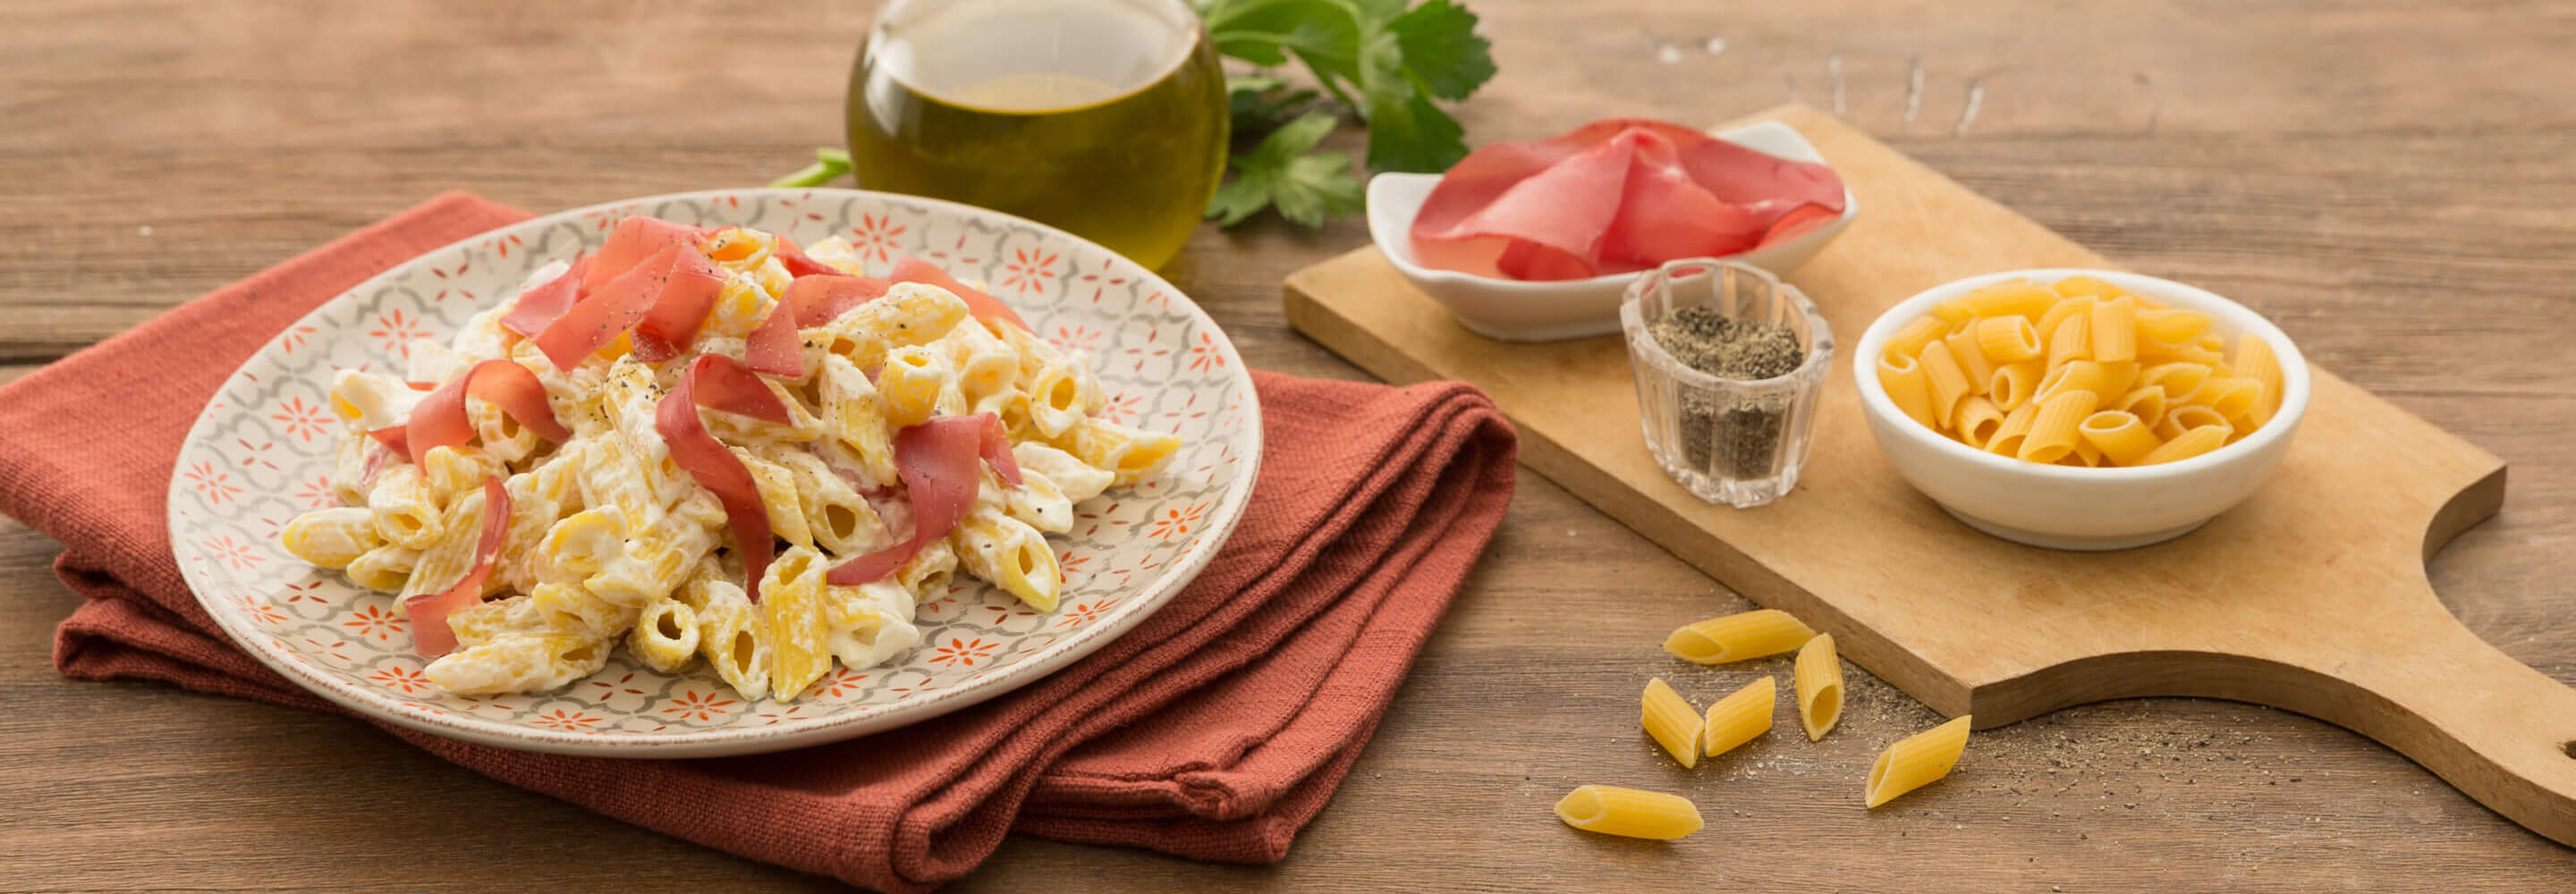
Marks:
<point>1104,117</point>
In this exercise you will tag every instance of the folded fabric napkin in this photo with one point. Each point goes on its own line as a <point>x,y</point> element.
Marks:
<point>1214,730</point>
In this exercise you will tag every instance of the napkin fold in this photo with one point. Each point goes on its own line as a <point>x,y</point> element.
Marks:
<point>1215,730</point>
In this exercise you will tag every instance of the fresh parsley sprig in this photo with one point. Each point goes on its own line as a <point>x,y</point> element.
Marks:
<point>1378,58</point>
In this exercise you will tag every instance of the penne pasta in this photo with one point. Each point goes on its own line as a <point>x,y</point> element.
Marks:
<point>1911,340</point>
<point>1629,813</point>
<point>1972,360</point>
<point>2072,340</point>
<point>1949,383</point>
<point>1672,722</point>
<point>2014,385</point>
<point>2185,418</point>
<point>2052,431</point>
<point>2120,437</point>
<point>1739,717</point>
<point>1906,386</point>
<point>2008,339</point>
<point>2016,428</point>
<point>1739,637</point>
<point>1979,419</point>
<point>1916,761</point>
<point>2256,360</point>
<point>2115,330</point>
<point>1818,674</point>
<point>2195,442</point>
<point>2147,402</point>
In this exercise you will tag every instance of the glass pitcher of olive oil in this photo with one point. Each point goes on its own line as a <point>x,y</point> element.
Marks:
<point>1104,117</point>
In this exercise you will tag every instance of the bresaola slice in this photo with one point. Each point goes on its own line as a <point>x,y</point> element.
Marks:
<point>428,611</point>
<point>937,460</point>
<point>682,306</point>
<point>822,298</point>
<point>1615,196</point>
<point>634,239</point>
<point>774,347</point>
<point>717,382</point>
<point>538,307</point>
<point>439,419</point>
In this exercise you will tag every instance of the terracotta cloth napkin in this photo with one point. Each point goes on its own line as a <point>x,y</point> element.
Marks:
<point>1214,730</point>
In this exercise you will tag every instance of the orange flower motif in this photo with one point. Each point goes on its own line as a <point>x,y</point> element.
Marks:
<point>217,486</point>
<point>959,651</point>
<point>1204,356</point>
<point>575,722</point>
<point>394,333</point>
<point>316,494</point>
<point>1175,523</point>
<point>303,420</point>
<point>842,682</point>
<point>1028,271</point>
<point>411,682</point>
<point>698,705</point>
<point>874,237</point>
<point>238,555</point>
<point>377,622</point>
<point>1086,612</point>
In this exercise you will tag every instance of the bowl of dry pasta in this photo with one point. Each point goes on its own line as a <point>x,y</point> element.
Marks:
<point>2080,409</point>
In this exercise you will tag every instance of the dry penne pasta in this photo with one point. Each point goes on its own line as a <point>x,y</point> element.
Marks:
<point>1739,717</point>
<point>1739,637</point>
<point>1672,722</point>
<point>1916,761</point>
<point>2187,445</point>
<point>1985,370</point>
<point>1818,674</point>
<point>1628,812</point>
<point>1903,378</point>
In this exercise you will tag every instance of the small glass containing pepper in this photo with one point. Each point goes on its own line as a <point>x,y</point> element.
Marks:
<point>1729,363</point>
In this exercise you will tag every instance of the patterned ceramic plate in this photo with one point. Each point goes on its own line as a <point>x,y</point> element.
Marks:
<point>258,454</point>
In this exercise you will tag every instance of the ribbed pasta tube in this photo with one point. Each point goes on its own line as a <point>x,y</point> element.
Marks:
<point>1130,455</point>
<point>869,623</point>
<point>2057,314</point>
<point>1739,637</point>
<point>2187,417</point>
<point>909,314</point>
<point>1009,554</point>
<point>1077,480</point>
<point>665,636</point>
<point>1910,340</point>
<point>2052,432</point>
<point>1907,386</point>
<point>405,509</point>
<point>1916,761</point>
<point>1949,383</point>
<point>1818,674</point>
<point>1974,365</point>
<point>855,416</point>
<point>2198,440</point>
<point>1739,717</point>
<point>385,568</point>
<point>778,497</point>
<point>1061,394</point>
<point>791,598</point>
<point>332,538</point>
<point>2121,437</point>
<point>2071,340</point>
<point>1978,421</point>
<point>1672,722</point>
<point>2115,330</point>
<point>2008,339</point>
<point>2256,360</point>
<point>733,634</point>
<point>519,662</point>
<point>1629,813</point>
<point>2015,430</point>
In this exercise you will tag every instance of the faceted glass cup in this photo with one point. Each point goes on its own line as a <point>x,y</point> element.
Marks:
<point>1729,441</point>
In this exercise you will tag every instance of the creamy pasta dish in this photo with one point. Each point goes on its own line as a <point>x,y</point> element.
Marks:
<point>710,444</point>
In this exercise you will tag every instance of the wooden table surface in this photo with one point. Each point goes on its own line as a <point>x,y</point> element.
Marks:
<point>2390,181</point>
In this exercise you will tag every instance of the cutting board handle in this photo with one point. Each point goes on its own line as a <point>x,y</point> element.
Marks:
<point>2422,683</point>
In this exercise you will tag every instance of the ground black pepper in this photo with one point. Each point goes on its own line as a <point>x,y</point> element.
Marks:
<point>1739,440</point>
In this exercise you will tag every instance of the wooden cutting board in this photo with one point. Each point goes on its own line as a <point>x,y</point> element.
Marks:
<point>2311,596</point>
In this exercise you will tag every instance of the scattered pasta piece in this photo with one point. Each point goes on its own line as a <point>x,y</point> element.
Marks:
<point>1998,368</point>
<point>1672,721</point>
<point>1738,718</point>
<point>1819,678</point>
<point>1739,637</point>
<point>1916,761</point>
<point>1627,812</point>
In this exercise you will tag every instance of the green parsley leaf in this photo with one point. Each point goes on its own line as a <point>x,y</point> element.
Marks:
<point>1441,50</point>
<point>1305,188</point>
<point>1408,133</point>
<point>830,162</point>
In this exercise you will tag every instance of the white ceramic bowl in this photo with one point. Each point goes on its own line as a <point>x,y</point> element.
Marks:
<point>2064,507</point>
<point>1514,310</point>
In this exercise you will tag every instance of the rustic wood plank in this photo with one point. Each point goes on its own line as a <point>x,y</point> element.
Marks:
<point>2385,179</point>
